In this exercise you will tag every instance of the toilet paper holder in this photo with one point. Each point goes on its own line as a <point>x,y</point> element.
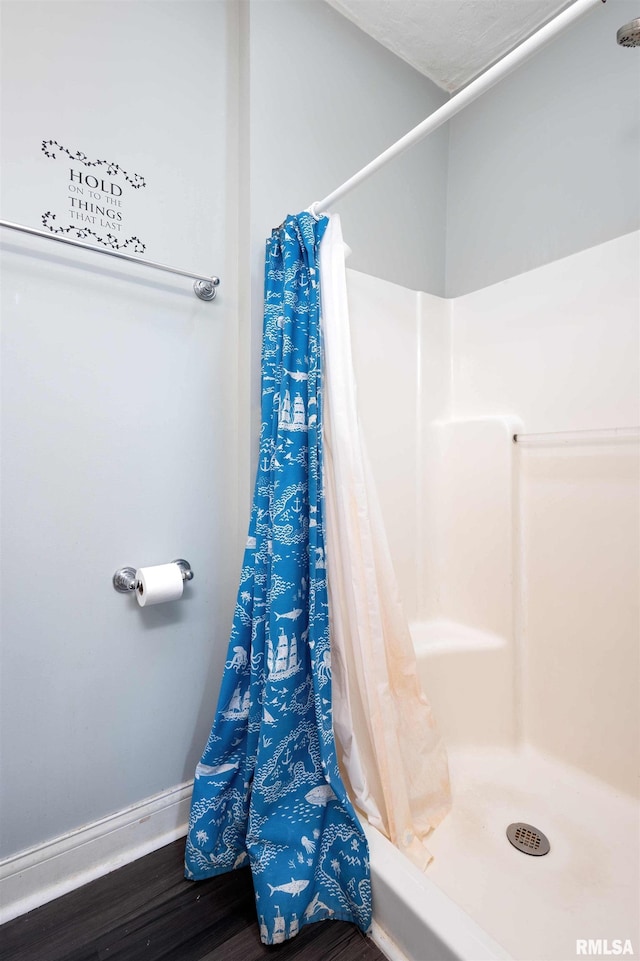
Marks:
<point>124,580</point>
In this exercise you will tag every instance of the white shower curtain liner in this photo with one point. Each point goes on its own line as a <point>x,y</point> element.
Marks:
<point>392,758</point>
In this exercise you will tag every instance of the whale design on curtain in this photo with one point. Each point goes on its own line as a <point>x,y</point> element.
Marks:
<point>267,790</point>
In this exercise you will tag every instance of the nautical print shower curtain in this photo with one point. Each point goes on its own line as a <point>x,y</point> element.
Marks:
<point>268,791</point>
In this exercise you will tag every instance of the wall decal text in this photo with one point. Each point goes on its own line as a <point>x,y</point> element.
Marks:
<point>94,200</point>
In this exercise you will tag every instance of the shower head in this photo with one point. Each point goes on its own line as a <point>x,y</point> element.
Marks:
<point>629,35</point>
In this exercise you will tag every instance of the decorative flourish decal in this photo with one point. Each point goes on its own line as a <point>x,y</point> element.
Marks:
<point>93,200</point>
<point>78,156</point>
<point>81,233</point>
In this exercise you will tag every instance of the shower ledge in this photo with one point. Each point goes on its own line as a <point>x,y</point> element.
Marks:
<point>441,635</point>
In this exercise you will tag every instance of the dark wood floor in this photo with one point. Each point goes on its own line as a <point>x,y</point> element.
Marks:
<point>146,911</point>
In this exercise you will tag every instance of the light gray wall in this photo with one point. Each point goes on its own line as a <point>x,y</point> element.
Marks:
<point>125,399</point>
<point>121,418</point>
<point>325,100</point>
<point>546,163</point>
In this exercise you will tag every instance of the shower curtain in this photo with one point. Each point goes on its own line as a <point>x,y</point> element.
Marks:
<point>267,790</point>
<point>392,758</point>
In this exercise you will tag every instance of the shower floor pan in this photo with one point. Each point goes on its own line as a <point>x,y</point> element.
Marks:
<point>481,898</point>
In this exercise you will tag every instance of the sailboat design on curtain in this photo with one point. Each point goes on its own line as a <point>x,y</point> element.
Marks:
<point>267,790</point>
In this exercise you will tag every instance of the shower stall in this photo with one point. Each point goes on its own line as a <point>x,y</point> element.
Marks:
<point>509,421</point>
<point>505,449</point>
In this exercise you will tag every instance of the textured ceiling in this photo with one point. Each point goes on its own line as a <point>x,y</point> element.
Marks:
<point>449,41</point>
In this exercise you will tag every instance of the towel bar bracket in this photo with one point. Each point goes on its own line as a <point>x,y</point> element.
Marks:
<point>206,289</point>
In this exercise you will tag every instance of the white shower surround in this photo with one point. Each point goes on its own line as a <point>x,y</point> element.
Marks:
<point>519,570</point>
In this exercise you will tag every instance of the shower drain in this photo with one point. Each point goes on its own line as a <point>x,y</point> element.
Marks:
<point>528,839</point>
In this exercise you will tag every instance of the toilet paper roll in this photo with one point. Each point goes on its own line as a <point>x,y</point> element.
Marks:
<point>158,584</point>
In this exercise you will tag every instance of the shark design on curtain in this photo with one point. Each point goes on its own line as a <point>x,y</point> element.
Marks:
<point>267,791</point>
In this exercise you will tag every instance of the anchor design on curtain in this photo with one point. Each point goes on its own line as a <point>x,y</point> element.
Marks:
<point>268,791</point>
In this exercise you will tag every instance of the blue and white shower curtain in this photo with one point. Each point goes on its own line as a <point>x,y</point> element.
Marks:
<point>268,792</point>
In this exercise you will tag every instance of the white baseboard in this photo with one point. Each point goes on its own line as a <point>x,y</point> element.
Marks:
<point>46,871</point>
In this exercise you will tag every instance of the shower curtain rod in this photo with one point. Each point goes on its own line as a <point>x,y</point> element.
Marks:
<point>462,99</point>
<point>204,287</point>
